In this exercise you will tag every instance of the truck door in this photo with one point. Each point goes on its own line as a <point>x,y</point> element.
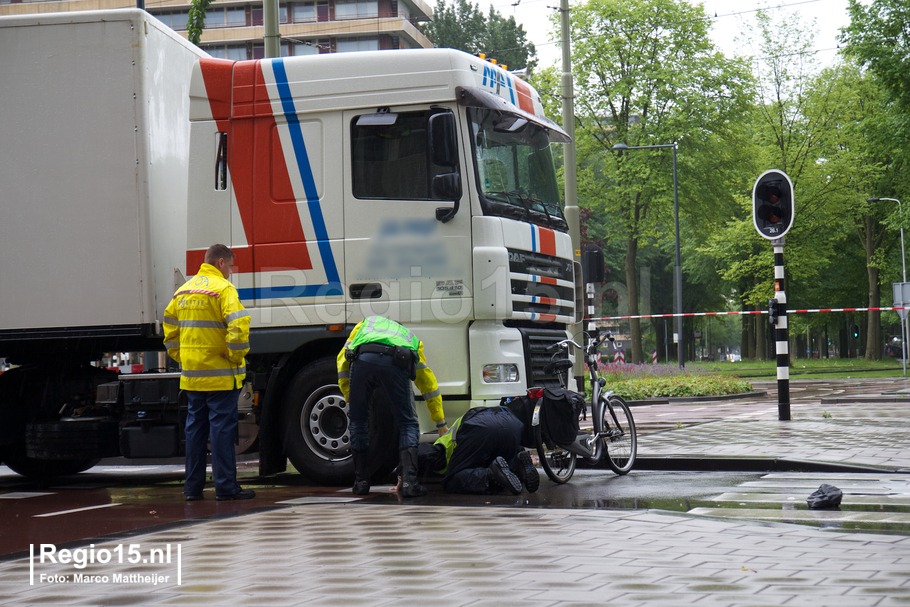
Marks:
<point>400,260</point>
<point>291,210</point>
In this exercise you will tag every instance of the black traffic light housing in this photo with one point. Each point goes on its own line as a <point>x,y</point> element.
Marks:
<point>855,331</point>
<point>772,312</point>
<point>772,204</point>
<point>592,264</point>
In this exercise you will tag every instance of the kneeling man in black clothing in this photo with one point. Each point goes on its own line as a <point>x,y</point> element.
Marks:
<point>481,453</point>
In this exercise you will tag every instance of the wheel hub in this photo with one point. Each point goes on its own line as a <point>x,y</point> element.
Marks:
<point>324,425</point>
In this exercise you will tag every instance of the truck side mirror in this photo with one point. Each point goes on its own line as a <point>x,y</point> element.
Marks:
<point>592,262</point>
<point>443,145</point>
<point>447,186</point>
<point>442,140</point>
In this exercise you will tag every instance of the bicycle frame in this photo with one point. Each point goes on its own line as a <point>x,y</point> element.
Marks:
<point>589,447</point>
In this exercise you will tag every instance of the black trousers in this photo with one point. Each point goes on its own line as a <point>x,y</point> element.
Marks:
<point>485,434</point>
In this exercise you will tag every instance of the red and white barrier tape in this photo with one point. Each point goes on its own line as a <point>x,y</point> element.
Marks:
<point>744,312</point>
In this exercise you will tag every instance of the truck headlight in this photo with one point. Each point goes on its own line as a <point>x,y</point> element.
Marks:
<point>499,374</point>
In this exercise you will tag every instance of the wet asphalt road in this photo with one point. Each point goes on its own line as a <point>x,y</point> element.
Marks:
<point>124,500</point>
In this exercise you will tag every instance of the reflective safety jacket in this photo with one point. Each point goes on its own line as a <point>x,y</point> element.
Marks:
<point>207,331</point>
<point>449,440</point>
<point>377,329</point>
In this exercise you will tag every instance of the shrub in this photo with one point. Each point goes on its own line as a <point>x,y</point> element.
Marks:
<point>639,382</point>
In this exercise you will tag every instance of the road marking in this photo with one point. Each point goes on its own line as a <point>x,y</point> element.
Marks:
<point>21,495</point>
<point>320,500</point>
<point>698,409</point>
<point>75,510</point>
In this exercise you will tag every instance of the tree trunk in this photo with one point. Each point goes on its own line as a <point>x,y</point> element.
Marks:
<point>874,317</point>
<point>632,288</point>
<point>747,348</point>
<point>761,336</point>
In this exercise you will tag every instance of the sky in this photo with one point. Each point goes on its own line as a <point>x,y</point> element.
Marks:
<point>732,17</point>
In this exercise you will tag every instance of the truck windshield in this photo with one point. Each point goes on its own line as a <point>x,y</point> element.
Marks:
<point>515,172</point>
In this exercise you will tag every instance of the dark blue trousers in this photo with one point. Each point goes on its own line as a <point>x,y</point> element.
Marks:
<point>374,373</point>
<point>213,416</point>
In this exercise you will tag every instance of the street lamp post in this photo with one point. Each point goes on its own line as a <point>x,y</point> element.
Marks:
<point>904,265</point>
<point>622,147</point>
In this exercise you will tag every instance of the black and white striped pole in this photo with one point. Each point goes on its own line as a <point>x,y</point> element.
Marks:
<point>772,213</point>
<point>777,314</point>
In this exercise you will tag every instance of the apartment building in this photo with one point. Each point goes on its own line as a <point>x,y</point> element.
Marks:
<point>234,28</point>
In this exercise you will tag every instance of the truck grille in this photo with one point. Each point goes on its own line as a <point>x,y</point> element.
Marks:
<point>536,342</point>
<point>543,287</point>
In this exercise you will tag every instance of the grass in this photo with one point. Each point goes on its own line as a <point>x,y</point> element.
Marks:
<point>805,368</point>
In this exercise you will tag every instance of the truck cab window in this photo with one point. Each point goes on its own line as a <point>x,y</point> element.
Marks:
<point>392,161</point>
<point>514,167</point>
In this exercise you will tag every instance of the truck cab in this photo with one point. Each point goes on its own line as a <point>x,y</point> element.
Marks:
<point>350,185</point>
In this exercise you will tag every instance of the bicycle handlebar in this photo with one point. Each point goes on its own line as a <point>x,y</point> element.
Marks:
<point>594,344</point>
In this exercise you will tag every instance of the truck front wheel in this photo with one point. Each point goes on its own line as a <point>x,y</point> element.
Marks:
<point>316,432</point>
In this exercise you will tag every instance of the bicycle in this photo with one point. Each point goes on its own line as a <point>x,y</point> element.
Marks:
<point>614,428</point>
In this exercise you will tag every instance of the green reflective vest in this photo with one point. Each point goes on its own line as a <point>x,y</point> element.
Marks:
<point>379,330</point>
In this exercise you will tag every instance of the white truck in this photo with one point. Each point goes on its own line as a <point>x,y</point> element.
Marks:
<point>414,184</point>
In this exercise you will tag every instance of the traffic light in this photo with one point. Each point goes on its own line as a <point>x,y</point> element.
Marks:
<point>855,332</point>
<point>772,204</point>
<point>772,312</point>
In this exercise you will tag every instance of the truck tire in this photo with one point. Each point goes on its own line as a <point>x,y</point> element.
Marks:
<point>47,468</point>
<point>73,439</point>
<point>316,434</point>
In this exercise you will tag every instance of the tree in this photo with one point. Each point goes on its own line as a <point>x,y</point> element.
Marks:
<point>879,37</point>
<point>647,73</point>
<point>196,21</point>
<point>817,126</point>
<point>464,27</point>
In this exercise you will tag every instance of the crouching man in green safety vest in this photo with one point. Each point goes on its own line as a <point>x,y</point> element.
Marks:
<point>481,453</point>
<point>382,356</point>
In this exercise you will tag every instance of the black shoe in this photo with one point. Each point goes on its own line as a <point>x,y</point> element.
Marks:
<point>193,498</point>
<point>407,464</point>
<point>243,494</point>
<point>361,473</point>
<point>526,472</point>
<point>499,474</point>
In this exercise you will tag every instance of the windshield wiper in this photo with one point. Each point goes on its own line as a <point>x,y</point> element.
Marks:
<point>527,201</point>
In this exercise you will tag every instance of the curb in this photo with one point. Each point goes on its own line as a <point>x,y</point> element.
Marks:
<point>672,400</point>
<point>746,464</point>
<point>842,400</point>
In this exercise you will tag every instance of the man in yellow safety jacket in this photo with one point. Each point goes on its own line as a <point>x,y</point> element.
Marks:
<point>383,356</point>
<point>207,331</point>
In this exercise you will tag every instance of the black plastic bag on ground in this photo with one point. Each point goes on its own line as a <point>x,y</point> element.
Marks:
<point>827,496</point>
<point>559,414</point>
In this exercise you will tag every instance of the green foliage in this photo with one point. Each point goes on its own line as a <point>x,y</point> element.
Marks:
<point>680,386</point>
<point>196,22</point>
<point>647,73</point>
<point>879,37</point>
<point>463,26</point>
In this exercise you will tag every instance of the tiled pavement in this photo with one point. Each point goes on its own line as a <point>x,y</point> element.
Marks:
<point>353,554</point>
<point>340,552</point>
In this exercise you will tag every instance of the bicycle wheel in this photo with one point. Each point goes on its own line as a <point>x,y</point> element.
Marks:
<point>621,443</point>
<point>558,463</point>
